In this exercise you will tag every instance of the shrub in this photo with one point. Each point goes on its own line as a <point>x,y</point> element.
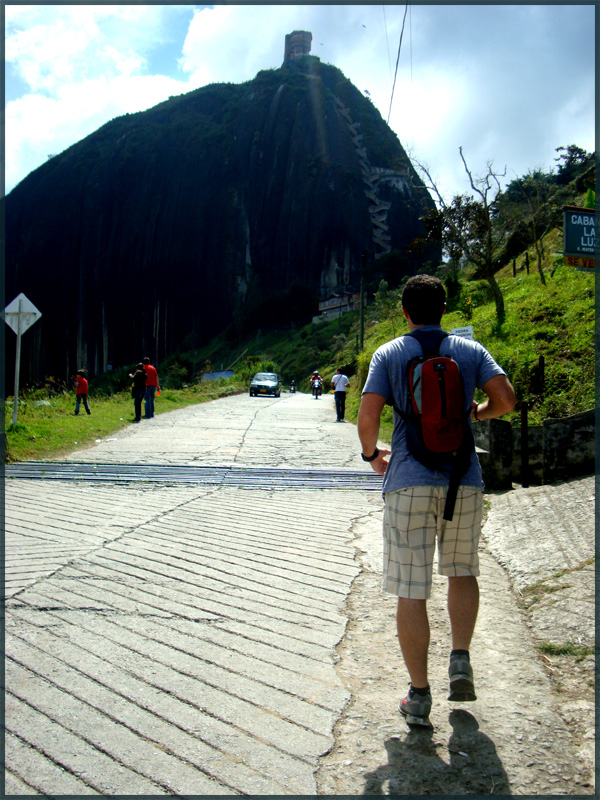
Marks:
<point>248,369</point>
<point>175,377</point>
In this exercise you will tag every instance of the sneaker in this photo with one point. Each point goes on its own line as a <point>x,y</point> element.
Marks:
<point>460,672</point>
<point>415,708</point>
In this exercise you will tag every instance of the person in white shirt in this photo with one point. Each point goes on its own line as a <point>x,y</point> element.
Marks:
<point>339,383</point>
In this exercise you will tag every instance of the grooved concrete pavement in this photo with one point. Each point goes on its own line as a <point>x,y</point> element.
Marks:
<point>181,639</point>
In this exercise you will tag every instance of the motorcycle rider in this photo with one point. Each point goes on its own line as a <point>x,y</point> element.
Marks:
<point>316,377</point>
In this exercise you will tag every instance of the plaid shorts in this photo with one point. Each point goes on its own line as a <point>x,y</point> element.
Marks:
<point>412,521</point>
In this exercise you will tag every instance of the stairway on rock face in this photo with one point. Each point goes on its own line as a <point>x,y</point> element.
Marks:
<point>378,208</point>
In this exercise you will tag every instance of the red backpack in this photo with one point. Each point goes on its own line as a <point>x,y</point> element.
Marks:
<point>438,433</point>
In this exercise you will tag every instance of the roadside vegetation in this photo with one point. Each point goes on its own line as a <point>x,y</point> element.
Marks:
<point>47,427</point>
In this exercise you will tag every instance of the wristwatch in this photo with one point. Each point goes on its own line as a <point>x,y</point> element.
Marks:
<point>370,458</point>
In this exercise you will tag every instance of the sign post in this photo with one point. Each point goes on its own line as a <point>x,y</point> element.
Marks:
<point>579,237</point>
<point>20,316</point>
<point>466,332</point>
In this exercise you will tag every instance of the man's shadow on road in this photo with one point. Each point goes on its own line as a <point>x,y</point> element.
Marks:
<point>415,767</point>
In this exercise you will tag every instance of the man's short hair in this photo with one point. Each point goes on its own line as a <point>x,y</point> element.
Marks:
<point>146,360</point>
<point>424,298</point>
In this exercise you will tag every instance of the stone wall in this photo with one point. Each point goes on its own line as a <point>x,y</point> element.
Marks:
<point>535,436</point>
<point>569,446</point>
<point>494,443</point>
<point>559,449</point>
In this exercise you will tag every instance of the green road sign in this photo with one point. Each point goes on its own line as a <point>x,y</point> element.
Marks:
<point>579,231</point>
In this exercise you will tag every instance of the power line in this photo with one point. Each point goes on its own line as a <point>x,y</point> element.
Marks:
<point>387,40</point>
<point>410,43</point>
<point>412,95</point>
<point>397,61</point>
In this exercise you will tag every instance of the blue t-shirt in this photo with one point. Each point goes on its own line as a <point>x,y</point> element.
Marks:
<point>387,377</point>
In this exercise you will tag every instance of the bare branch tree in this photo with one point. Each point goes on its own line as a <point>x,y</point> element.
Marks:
<point>469,226</point>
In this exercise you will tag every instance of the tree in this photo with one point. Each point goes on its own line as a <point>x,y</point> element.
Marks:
<point>470,227</point>
<point>571,162</point>
<point>532,201</point>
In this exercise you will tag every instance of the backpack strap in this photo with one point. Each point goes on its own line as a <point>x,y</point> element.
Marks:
<point>461,465</point>
<point>430,341</point>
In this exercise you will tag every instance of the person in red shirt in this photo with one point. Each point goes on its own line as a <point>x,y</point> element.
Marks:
<point>81,391</point>
<point>152,386</point>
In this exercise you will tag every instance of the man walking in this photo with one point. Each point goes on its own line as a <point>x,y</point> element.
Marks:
<point>414,497</point>
<point>340,382</point>
<point>152,386</point>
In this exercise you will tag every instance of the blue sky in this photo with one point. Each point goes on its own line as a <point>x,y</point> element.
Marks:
<point>508,83</point>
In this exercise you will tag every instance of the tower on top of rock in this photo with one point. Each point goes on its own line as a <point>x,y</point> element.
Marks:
<point>297,44</point>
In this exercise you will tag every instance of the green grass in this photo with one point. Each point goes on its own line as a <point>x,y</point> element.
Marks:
<point>44,432</point>
<point>536,591</point>
<point>561,573</point>
<point>575,650</point>
<point>555,321</point>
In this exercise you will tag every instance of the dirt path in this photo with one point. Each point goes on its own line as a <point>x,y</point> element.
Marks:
<point>511,740</point>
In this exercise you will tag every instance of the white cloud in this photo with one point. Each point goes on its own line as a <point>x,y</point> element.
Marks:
<point>84,65</point>
<point>232,43</point>
<point>47,45</point>
<point>126,63</point>
<point>45,56</point>
<point>37,126</point>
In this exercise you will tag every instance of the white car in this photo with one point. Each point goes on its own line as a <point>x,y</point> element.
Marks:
<point>265,383</point>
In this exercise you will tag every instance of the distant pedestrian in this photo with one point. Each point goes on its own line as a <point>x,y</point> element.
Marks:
<point>340,382</point>
<point>152,386</point>
<point>415,494</point>
<point>81,391</point>
<point>139,390</point>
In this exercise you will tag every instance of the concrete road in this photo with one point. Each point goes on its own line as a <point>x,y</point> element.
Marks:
<point>188,637</point>
<point>178,638</point>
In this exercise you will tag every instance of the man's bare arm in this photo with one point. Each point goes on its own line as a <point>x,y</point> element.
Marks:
<point>500,399</point>
<point>369,415</point>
